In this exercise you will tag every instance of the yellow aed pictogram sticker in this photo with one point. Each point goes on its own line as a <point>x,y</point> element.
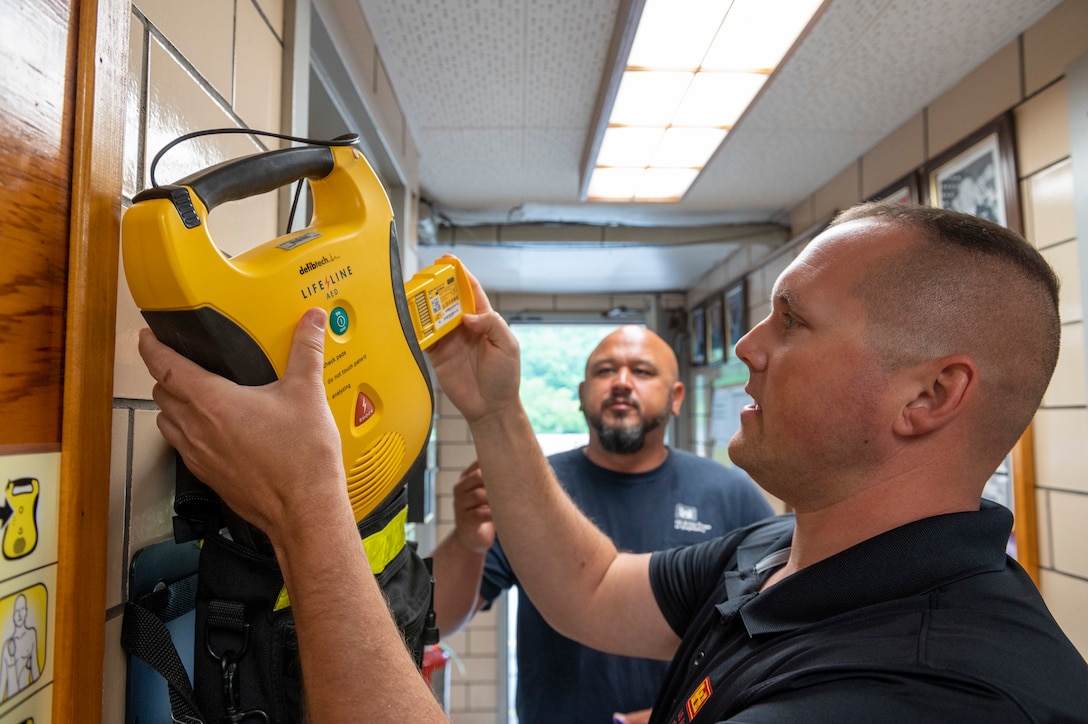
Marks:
<point>19,513</point>
<point>699,697</point>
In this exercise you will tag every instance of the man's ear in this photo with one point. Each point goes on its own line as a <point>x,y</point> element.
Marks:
<point>581,388</point>
<point>677,397</point>
<point>943,390</point>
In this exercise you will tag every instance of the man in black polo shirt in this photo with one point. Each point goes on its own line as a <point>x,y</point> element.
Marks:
<point>906,350</point>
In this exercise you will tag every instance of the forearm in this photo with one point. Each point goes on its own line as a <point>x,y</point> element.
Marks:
<point>568,568</point>
<point>355,665</point>
<point>566,565</point>
<point>457,575</point>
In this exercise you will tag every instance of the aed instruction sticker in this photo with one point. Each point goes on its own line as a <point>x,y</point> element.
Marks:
<point>29,503</point>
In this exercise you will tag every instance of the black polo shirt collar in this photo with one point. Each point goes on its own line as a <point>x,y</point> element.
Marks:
<point>924,555</point>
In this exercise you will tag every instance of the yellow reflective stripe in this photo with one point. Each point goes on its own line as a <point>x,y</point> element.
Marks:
<point>381,548</point>
<point>282,600</point>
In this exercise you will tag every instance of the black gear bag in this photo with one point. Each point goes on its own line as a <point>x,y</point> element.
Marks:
<point>244,656</point>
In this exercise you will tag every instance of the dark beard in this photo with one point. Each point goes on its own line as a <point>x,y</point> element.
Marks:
<point>628,439</point>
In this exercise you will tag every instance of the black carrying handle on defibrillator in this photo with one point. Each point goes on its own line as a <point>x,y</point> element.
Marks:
<point>257,174</point>
<point>248,176</point>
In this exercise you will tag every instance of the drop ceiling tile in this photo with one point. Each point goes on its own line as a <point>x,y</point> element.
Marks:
<point>552,161</point>
<point>453,64</point>
<point>459,167</point>
<point>566,50</point>
<point>500,92</point>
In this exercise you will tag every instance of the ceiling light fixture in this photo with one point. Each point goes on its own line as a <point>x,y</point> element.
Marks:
<point>684,73</point>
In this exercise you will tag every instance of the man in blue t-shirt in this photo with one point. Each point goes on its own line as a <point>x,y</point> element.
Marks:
<point>645,495</point>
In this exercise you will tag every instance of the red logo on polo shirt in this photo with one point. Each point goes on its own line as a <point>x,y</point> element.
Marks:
<point>699,697</point>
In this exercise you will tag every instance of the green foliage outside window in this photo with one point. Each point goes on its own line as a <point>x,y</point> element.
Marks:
<point>553,363</point>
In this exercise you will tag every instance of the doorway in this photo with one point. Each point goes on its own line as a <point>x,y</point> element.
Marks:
<point>553,358</point>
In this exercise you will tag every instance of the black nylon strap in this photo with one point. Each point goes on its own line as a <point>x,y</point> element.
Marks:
<point>173,600</point>
<point>145,636</point>
<point>226,632</point>
<point>230,615</point>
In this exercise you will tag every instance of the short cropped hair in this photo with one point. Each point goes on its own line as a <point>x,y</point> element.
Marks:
<point>971,287</point>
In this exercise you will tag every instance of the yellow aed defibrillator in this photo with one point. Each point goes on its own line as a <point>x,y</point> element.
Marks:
<point>235,315</point>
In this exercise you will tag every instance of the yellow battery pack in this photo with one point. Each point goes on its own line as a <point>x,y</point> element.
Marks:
<point>235,315</point>
<point>438,298</point>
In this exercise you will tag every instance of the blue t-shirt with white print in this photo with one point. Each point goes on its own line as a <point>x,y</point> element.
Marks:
<point>687,499</point>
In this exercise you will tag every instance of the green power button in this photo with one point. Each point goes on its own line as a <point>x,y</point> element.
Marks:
<point>338,320</point>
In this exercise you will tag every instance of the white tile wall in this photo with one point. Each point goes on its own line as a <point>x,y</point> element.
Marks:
<point>1053,42</point>
<point>1067,386</point>
<point>273,12</point>
<point>1068,511</point>
<point>1061,457</point>
<point>981,96</point>
<point>258,69</point>
<point>114,665</point>
<point>1065,599</point>
<point>1042,130</point>
<point>203,33</point>
<point>151,508</point>
<point>900,152</point>
<point>115,542</point>
<point>1049,210</point>
<point>137,45</point>
<point>1063,257</point>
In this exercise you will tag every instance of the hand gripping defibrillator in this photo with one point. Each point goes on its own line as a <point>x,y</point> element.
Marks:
<point>235,316</point>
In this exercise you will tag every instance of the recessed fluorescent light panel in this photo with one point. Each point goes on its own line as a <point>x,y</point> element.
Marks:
<point>693,68</point>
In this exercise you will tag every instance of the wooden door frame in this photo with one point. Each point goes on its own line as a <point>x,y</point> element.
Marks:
<point>1025,514</point>
<point>94,239</point>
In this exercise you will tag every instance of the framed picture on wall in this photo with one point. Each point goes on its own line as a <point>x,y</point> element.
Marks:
<point>978,176</point>
<point>736,312</point>
<point>715,331</point>
<point>698,336</point>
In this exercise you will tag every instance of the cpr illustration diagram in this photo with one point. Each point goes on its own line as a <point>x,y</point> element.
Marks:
<point>22,640</point>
